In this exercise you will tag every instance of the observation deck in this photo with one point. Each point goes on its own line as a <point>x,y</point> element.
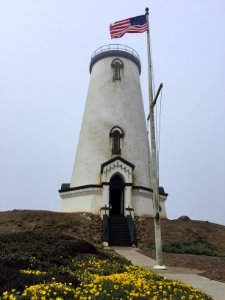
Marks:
<point>115,50</point>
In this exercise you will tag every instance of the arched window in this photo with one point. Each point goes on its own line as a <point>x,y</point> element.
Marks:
<point>117,65</point>
<point>116,133</point>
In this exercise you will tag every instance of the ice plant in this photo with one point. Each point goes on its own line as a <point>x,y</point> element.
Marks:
<point>107,278</point>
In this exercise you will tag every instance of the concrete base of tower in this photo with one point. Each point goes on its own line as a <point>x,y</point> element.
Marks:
<point>87,199</point>
<point>143,205</point>
<point>95,199</point>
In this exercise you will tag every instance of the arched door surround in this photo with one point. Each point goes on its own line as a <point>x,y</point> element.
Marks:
<point>117,181</point>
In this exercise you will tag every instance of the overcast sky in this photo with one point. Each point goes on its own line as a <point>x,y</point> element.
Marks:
<point>45,51</point>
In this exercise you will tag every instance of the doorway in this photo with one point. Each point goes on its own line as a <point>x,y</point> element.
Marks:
<point>116,195</point>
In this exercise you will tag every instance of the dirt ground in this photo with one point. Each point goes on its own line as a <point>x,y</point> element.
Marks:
<point>88,227</point>
<point>186,229</point>
<point>212,267</point>
<point>83,226</point>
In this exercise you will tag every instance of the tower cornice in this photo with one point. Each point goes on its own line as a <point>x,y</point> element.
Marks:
<point>115,51</point>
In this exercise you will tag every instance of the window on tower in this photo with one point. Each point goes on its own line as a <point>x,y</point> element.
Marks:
<point>116,133</point>
<point>117,65</point>
<point>116,143</point>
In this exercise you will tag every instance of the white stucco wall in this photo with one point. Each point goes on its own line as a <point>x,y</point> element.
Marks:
<point>72,202</point>
<point>143,205</point>
<point>92,200</point>
<point>110,103</point>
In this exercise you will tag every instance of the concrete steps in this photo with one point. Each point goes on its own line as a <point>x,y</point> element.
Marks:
<point>118,231</point>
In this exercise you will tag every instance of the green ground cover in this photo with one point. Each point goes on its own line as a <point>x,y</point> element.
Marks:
<point>190,247</point>
<point>29,272</point>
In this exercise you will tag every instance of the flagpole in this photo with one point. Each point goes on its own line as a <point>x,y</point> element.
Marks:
<point>154,171</point>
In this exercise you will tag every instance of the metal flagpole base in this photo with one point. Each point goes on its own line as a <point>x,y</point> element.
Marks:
<point>157,267</point>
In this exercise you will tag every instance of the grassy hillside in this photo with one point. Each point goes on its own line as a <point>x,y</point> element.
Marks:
<point>45,266</point>
<point>88,227</point>
<point>176,234</point>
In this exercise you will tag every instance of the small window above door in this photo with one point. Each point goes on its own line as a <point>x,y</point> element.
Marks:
<point>117,65</point>
<point>116,133</point>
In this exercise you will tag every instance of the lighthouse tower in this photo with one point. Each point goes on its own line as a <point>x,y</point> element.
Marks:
<point>111,173</point>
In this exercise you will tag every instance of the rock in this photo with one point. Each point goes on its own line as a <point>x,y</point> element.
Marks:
<point>184,218</point>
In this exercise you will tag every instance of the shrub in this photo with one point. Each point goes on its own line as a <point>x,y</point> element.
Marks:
<point>12,278</point>
<point>40,250</point>
<point>133,283</point>
<point>190,247</point>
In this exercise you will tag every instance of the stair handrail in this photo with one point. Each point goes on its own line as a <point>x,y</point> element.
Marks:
<point>131,227</point>
<point>105,226</point>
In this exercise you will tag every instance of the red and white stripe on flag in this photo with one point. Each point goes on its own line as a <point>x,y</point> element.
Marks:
<point>119,28</point>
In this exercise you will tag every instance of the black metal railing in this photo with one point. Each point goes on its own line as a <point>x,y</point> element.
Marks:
<point>116,47</point>
<point>105,224</point>
<point>105,228</point>
<point>131,227</point>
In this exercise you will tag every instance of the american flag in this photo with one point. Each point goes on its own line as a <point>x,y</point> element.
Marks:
<point>131,25</point>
